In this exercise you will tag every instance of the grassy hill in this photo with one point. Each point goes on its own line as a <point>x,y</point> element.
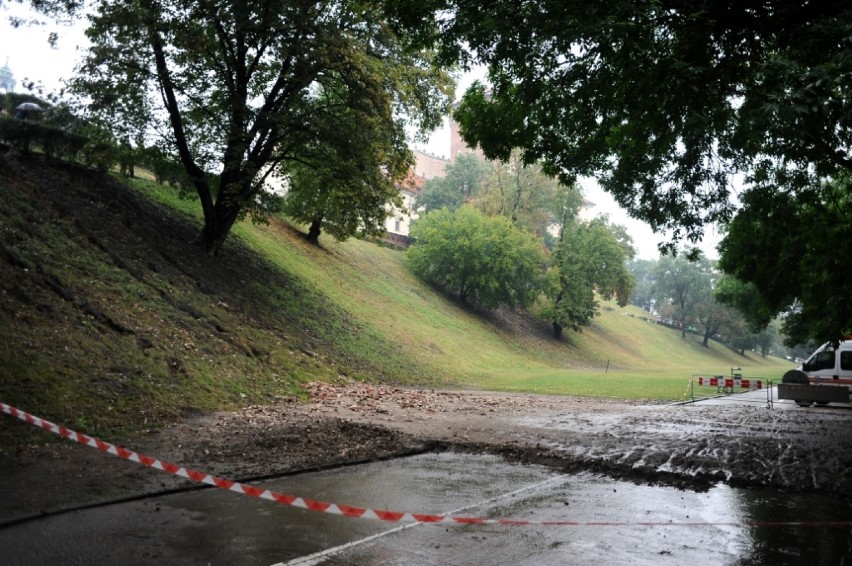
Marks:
<point>112,319</point>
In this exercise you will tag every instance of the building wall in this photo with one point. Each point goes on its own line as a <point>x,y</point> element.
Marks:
<point>458,145</point>
<point>399,222</point>
<point>429,166</point>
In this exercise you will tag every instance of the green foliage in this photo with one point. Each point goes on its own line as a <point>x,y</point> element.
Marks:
<point>340,206</point>
<point>164,167</point>
<point>483,259</point>
<point>794,251</point>
<point>663,103</point>
<point>462,179</point>
<point>520,192</point>
<point>744,297</point>
<point>768,338</point>
<point>587,258</point>
<point>345,184</point>
<point>681,286</point>
<point>712,316</point>
<point>231,88</point>
<point>26,135</point>
<point>643,287</point>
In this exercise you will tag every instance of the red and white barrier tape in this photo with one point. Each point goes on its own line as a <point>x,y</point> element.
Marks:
<point>361,512</point>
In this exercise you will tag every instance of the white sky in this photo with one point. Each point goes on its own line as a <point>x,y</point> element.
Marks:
<point>29,54</point>
<point>31,58</point>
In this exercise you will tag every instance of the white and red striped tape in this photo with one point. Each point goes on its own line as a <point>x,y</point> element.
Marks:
<point>721,381</point>
<point>360,512</point>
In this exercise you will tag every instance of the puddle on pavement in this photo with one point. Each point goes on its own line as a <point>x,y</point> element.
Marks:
<point>217,527</point>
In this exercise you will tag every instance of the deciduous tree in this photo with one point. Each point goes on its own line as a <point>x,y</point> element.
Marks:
<point>231,86</point>
<point>588,258</point>
<point>345,181</point>
<point>683,285</point>
<point>713,317</point>
<point>793,252</point>
<point>520,192</point>
<point>485,260</point>
<point>461,180</point>
<point>643,288</point>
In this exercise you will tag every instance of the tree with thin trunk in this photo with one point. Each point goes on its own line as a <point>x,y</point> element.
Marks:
<point>588,258</point>
<point>683,284</point>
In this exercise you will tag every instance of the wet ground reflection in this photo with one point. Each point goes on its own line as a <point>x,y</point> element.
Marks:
<point>216,527</point>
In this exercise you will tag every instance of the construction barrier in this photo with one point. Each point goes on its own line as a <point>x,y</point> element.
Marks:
<point>727,384</point>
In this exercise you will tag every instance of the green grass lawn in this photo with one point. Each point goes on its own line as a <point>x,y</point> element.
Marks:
<point>116,316</point>
<point>443,342</point>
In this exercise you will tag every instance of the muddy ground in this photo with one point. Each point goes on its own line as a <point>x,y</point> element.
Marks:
<point>688,446</point>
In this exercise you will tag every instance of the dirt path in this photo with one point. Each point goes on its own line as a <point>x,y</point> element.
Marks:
<point>688,446</point>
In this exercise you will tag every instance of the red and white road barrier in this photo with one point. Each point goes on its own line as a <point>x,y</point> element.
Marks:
<point>729,382</point>
<point>352,511</point>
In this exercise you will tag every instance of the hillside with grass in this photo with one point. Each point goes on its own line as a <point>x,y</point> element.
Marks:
<point>111,318</point>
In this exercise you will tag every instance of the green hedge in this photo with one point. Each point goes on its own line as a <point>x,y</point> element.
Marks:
<point>26,136</point>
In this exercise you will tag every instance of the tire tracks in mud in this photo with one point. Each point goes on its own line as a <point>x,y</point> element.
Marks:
<point>696,447</point>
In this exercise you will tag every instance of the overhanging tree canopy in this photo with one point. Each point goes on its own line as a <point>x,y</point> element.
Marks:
<point>662,101</point>
<point>231,86</point>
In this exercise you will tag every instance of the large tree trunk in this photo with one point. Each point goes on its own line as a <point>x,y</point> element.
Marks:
<point>557,330</point>
<point>314,231</point>
<point>217,225</point>
<point>220,214</point>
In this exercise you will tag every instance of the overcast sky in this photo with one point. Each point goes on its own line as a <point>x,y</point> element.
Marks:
<point>29,54</point>
<point>31,58</point>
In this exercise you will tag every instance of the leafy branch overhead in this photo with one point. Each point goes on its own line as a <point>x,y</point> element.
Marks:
<point>667,104</point>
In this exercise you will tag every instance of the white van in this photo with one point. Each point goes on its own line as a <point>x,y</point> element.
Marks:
<point>825,377</point>
<point>830,365</point>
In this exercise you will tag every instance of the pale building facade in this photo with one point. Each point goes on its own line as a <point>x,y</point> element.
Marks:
<point>398,224</point>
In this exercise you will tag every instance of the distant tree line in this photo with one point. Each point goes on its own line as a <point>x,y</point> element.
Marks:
<point>695,296</point>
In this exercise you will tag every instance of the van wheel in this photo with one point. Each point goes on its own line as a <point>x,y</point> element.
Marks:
<point>804,403</point>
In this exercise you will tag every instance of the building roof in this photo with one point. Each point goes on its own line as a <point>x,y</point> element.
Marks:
<point>412,183</point>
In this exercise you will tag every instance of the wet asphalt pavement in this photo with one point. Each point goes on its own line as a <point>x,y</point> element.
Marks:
<point>641,524</point>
